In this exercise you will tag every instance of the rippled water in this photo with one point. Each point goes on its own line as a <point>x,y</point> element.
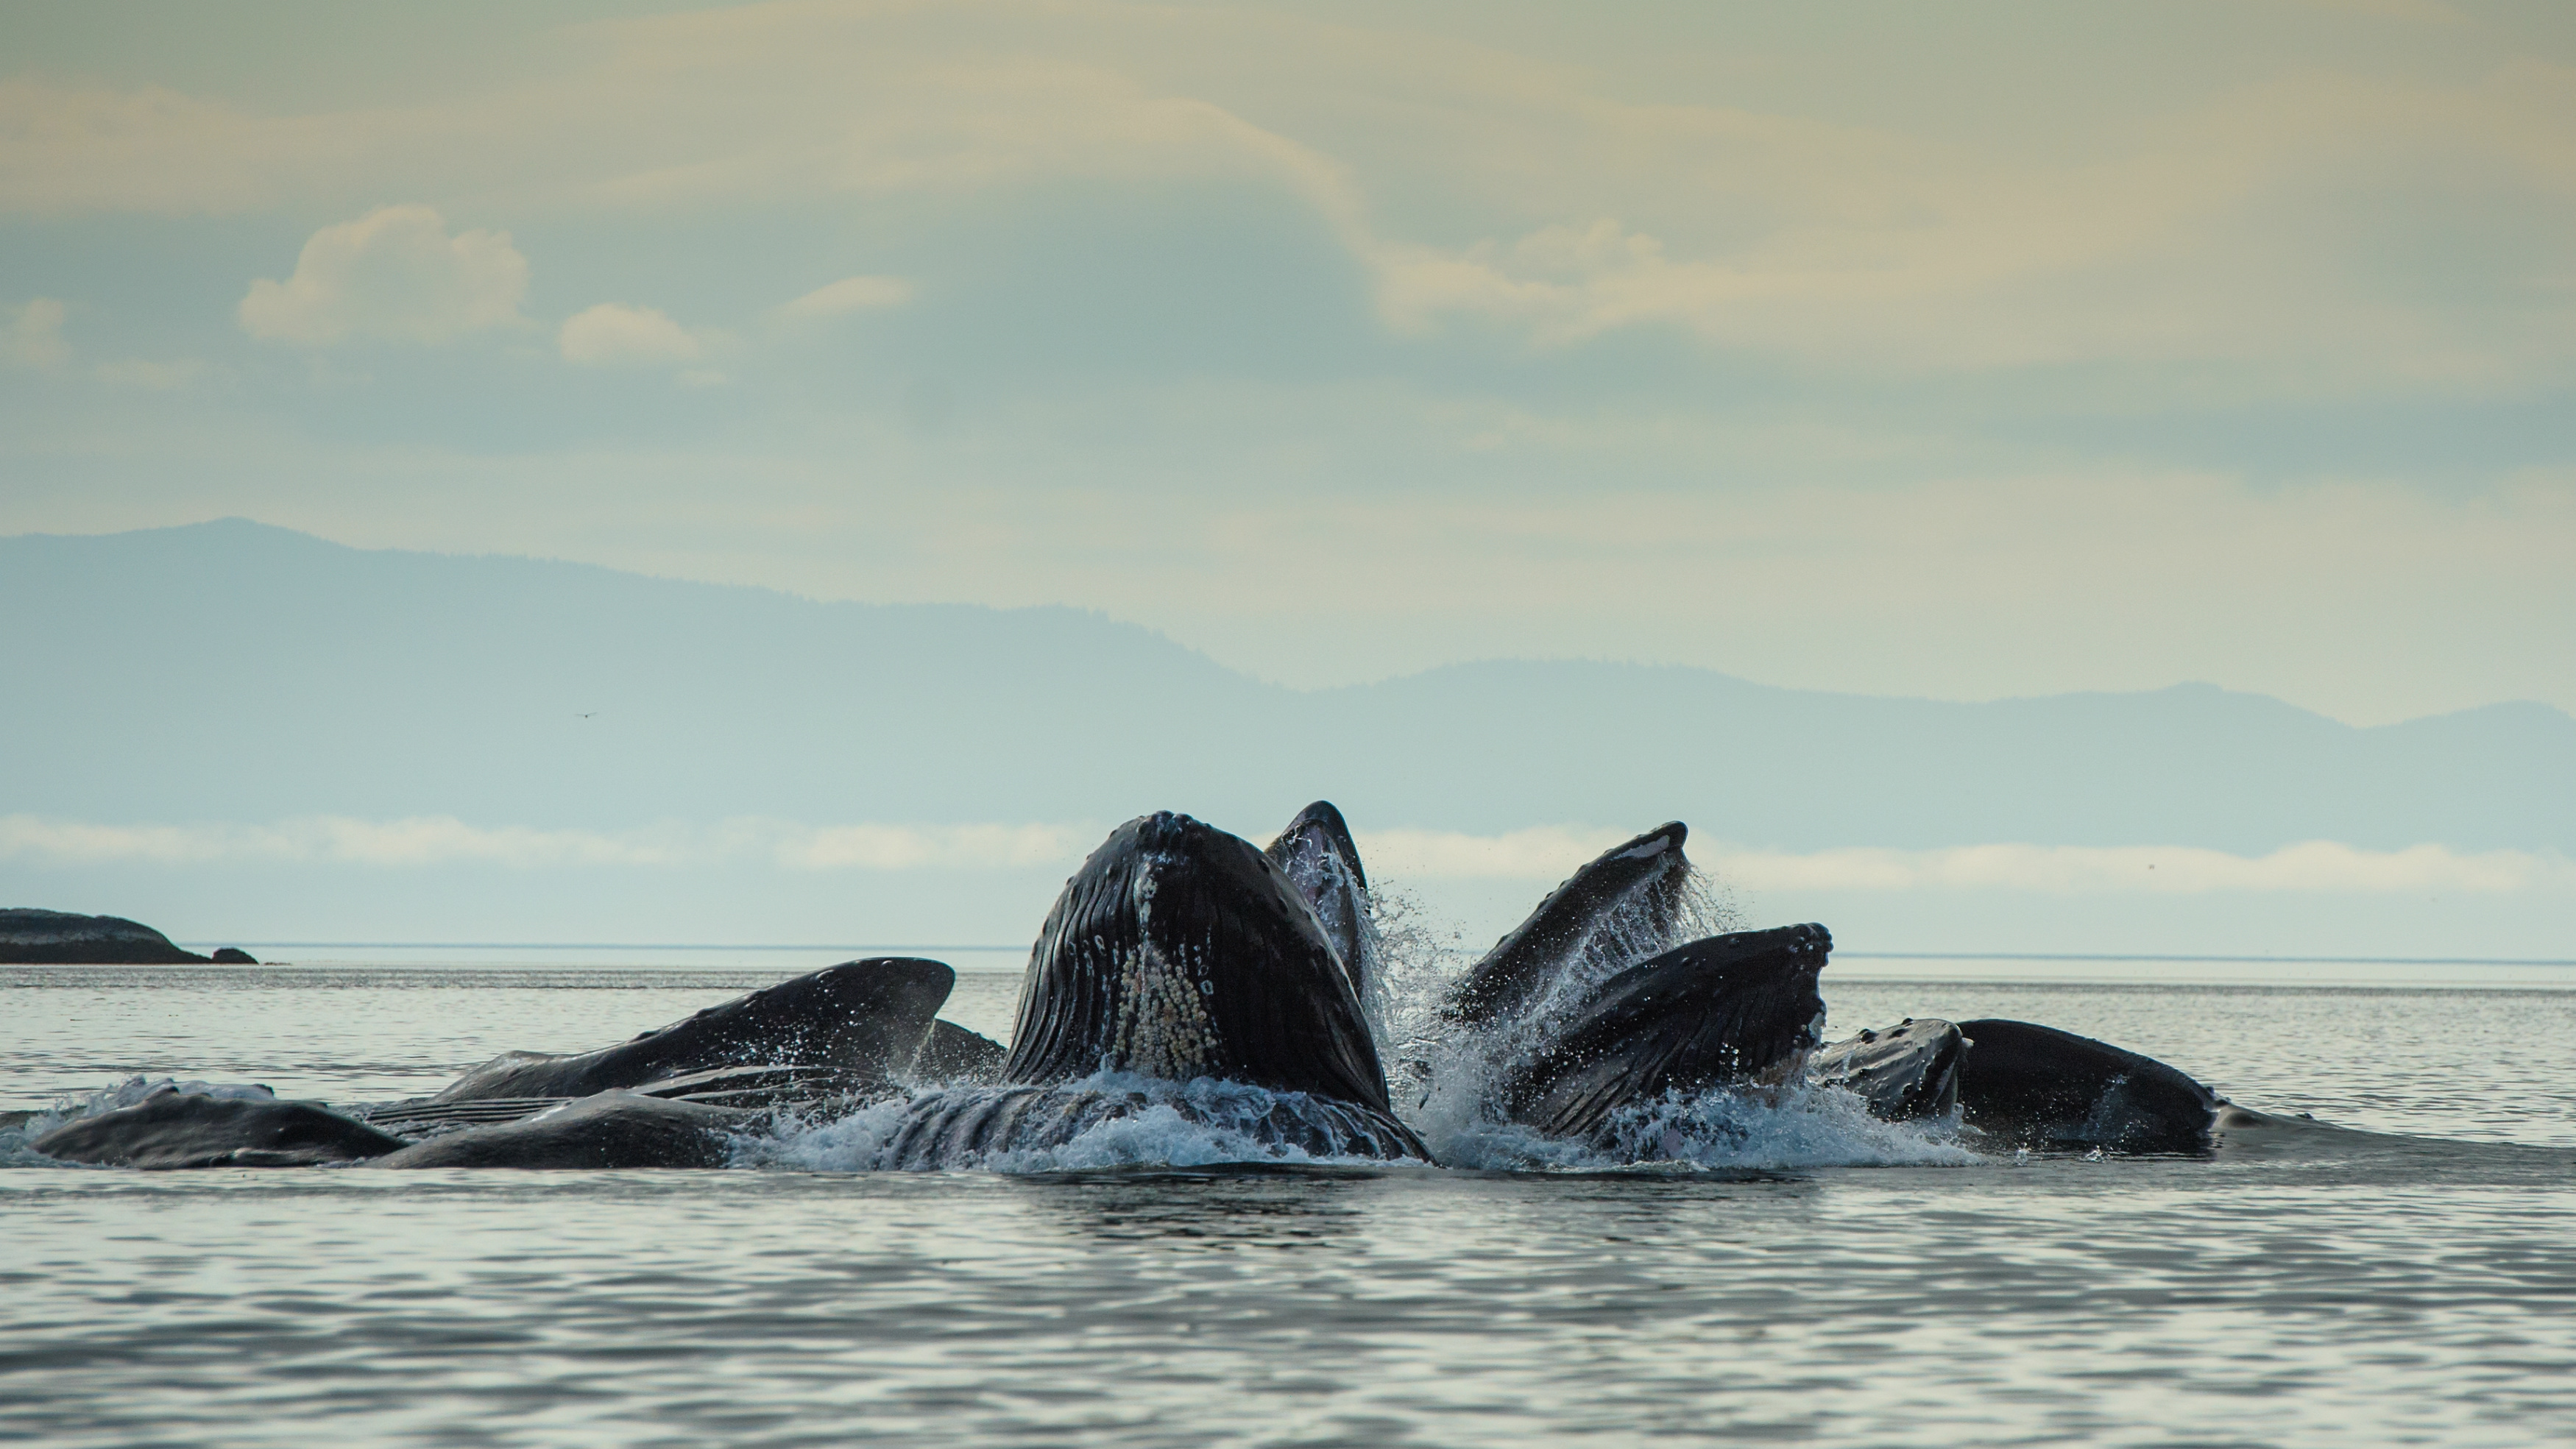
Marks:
<point>2325,1288</point>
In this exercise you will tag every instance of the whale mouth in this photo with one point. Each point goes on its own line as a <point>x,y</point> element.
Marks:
<point>1179,951</point>
<point>1318,855</point>
<point>1737,1011</point>
<point>1630,896</point>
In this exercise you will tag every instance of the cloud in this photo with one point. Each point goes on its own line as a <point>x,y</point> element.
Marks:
<point>147,375</point>
<point>34,337</point>
<point>1779,208</point>
<point>850,294</point>
<point>611,334</point>
<point>1536,854</point>
<point>1554,852</point>
<point>2286,213</point>
<point>440,840</point>
<point>393,274</point>
<point>1547,852</point>
<point>2316,867</point>
<point>953,847</point>
<point>70,149</point>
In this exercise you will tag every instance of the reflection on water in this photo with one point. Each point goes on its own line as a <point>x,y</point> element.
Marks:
<point>2306,1288</point>
<point>2112,1303</point>
<point>1183,1211</point>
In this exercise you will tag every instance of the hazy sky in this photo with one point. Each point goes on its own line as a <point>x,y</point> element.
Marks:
<point>1962,350</point>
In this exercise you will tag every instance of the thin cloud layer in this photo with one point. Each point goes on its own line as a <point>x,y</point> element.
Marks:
<point>612,334</point>
<point>850,294</point>
<point>34,335</point>
<point>1477,183</point>
<point>430,841</point>
<point>1539,854</point>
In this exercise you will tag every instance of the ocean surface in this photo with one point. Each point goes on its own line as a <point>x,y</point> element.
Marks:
<point>1810,1279</point>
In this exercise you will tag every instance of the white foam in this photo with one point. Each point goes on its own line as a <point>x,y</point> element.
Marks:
<point>1447,1077</point>
<point>1199,1123</point>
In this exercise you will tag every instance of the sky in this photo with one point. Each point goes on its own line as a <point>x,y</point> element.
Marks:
<point>1965,351</point>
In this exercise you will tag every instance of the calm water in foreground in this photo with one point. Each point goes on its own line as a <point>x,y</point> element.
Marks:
<point>2416,1288</point>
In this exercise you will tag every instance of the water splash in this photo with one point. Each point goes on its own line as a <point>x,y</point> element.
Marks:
<point>1446,1077</point>
<point>1119,1120</point>
<point>1443,1076</point>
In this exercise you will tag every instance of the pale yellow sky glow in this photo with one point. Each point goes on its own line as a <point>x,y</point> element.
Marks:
<point>1965,352</point>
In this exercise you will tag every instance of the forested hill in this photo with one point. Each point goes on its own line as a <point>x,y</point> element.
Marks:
<point>233,671</point>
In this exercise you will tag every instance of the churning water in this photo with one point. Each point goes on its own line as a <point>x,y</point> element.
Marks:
<point>1807,1275</point>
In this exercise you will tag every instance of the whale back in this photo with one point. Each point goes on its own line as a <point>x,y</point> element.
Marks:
<point>1319,857</point>
<point>1728,1009</point>
<point>1630,892</point>
<point>2049,1090</point>
<point>1179,951</point>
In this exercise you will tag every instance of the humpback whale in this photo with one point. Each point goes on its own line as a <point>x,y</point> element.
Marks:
<point>951,1053</point>
<point>2036,1087</point>
<point>1184,975</point>
<point>171,1129</point>
<point>866,1020</point>
<point>1905,1073</point>
<point>1631,893</point>
<point>1319,857</point>
<point>1176,953</point>
<point>1727,1010</point>
<point>609,1129</point>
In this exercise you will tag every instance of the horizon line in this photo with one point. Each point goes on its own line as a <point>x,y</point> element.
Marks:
<point>881,947</point>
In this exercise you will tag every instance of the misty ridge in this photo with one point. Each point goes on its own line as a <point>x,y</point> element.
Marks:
<point>235,671</point>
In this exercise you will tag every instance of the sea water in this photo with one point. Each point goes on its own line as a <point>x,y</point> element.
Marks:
<point>1803,1277</point>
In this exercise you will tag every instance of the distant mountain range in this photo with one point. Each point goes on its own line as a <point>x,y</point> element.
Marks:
<point>233,671</point>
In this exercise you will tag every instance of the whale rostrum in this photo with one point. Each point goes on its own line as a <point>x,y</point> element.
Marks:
<point>1319,857</point>
<point>1630,892</point>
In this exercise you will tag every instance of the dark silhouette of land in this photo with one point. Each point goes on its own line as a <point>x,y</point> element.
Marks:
<point>231,671</point>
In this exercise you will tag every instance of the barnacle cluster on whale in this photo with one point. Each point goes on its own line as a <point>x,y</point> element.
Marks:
<point>1186,975</point>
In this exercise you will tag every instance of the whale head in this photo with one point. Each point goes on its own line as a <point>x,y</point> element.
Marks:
<point>1180,951</point>
<point>1728,1010</point>
<point>1906,1071</point>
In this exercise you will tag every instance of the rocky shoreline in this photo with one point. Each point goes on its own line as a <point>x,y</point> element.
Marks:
<point>30,937</point>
